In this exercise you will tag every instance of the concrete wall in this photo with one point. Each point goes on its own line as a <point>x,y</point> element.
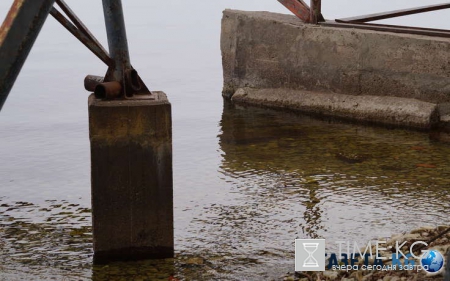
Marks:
<point>266,50</point>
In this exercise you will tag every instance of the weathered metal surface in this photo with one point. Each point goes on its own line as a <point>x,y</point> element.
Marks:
<point>391,28</point>
<point>121,71</point>
<point>92,81</point>
<point>117,40</point>
<point>132,79</point>
<point>299,8</point>
<point>393,14</point>
<point>113,90</point>
<point>79,24</point>
<point>108,90</point>
<point>99,51</point>
<point>17,36</point>
<point>316,11</point>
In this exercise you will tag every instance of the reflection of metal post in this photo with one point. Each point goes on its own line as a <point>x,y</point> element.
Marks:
<point>17,35</point>
<point>117,40</point>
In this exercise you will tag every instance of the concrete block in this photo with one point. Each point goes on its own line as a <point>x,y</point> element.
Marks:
<point>132,186</point>
<point>268,50</point>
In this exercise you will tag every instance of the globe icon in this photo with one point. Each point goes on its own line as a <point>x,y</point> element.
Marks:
<point>432,261</point>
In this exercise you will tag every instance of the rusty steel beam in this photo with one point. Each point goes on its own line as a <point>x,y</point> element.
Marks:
<point>316,11</point>
<point>17,36</point>
<point>394,14</point>
<point>421,29</point>
<point>81,27</point>
<point>117,40</point>
<point>391,28</point>
<point>122,70</point>
<point>299,8</point>
<point>95,48</point>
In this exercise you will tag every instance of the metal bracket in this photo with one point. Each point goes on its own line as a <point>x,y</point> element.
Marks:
<point>121,80</point>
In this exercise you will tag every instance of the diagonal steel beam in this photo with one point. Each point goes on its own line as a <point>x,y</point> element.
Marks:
<point>79,24</point>
<point>394,14</point>
<point>390,28</point>
<point>95,48</point>
<point>17,36</point>
<point>299,8</point>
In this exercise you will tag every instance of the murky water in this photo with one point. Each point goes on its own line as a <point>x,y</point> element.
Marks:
<point>283,176</point>
<point>247,181</point>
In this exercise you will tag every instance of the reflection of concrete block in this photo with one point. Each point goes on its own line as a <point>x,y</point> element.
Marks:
<point>132,195</point>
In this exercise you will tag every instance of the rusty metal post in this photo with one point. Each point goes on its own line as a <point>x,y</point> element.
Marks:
<point>117,40</point>
<point>316,11</point>
<point>17,36</point>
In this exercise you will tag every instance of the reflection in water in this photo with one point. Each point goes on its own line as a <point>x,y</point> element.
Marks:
<point>312,214</point>
<point>349,181</point>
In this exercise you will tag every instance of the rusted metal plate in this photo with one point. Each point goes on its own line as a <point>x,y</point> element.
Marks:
<point>299,8</point>
<point>17,36</point>
<point>394,14</point>
<point>391,28</point>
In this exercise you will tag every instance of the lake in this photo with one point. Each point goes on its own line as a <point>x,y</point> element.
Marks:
<point>247,181</point>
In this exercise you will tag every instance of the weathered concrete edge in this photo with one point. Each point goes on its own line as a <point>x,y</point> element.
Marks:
<point>384,110</point>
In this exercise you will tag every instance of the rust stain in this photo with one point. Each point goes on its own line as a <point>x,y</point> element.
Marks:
<point>424,165</point>
<point>418,148</point>
<point>10,17</point>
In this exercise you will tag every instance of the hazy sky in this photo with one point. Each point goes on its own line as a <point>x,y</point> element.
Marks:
<point>331,8</point>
